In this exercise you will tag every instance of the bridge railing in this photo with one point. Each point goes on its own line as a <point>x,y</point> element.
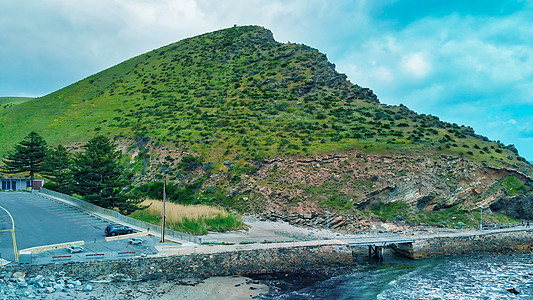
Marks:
<point>501,225</point>
<point>111,213</point>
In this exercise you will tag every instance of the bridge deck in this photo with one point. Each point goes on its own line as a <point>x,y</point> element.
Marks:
<point>378,242</point>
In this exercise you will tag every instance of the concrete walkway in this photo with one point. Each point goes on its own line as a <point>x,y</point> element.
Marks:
<point>169,250</point>
<point>397,237</point>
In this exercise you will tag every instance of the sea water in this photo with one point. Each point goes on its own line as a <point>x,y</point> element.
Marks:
<point>482,276</point>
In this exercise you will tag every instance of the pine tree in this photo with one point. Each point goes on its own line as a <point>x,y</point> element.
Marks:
<point>58,168</point>
<point>27,156</point>
<point>98,176</point>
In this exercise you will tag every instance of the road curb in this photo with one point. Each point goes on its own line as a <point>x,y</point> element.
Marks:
<point>40,249</point>
<point>126,236</point>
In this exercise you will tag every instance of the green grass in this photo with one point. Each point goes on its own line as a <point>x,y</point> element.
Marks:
<point>390,211</point>
<point>202,226</point>
<point>514,186</point>
<point>146,216</point>
<point>450,217</point>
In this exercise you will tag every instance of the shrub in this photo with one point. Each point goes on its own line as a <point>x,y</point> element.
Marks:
<point>189,163</point>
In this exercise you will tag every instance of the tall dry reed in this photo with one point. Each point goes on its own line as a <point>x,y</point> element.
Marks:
<point>176,212</point>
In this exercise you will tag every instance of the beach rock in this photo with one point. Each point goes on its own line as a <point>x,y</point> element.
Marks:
<point>59,287</point>
<point>40,284</point>
<point>18,275</point>
<point>33,280</point>
<point>21,282</point>
<point>29,294</point>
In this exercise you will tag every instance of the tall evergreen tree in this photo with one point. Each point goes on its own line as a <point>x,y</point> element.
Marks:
<point>58,168</point>
<point>98,175</point>
<point>27,156</point>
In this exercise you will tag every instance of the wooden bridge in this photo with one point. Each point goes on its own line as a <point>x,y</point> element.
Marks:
<point>376,248</point>
<point>401,244</point>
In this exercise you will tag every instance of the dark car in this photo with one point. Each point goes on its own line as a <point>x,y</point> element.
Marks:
<point>116,229</point>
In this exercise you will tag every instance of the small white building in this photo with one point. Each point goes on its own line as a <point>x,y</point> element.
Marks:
<point>20,184</point>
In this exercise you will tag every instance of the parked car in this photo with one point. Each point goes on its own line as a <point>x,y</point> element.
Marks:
<point>73,248</point>
<point>116,229</point>
<point>136,240</point>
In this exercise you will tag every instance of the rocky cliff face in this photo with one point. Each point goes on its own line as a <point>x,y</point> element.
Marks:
<point>352,184</point>
<point>299,190</point>
<point>519,206</point>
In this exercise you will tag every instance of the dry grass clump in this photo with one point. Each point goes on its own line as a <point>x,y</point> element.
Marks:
<point>176,212</point>
<point>194,219</point>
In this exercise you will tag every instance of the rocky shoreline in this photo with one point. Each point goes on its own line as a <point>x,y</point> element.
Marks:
<point>314,220</point>
<point>18,286</point>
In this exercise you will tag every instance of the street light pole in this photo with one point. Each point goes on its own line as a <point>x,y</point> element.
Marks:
<point>163,219</point>
<point>327,222</point>
<point>481,220</point>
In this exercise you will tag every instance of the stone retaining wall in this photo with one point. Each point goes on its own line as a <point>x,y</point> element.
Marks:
<point>521,241</point>
<point>243,262</point>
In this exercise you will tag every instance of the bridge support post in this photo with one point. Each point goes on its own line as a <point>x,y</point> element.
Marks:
<point>376,252</point>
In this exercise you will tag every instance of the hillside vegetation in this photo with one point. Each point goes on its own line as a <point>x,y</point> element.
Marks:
<point>237,119</point>
<point>238,90</point>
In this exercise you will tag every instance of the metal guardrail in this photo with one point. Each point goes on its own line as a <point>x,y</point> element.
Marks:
<point>108,212</point>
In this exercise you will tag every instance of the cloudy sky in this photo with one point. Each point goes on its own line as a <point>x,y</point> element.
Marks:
<point>467,62</point>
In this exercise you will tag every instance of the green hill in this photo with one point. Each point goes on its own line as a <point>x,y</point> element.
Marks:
<point>236,88</point>
<point>236,100</point>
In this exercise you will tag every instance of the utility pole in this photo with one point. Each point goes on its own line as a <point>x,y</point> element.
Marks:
<point>163,219</point>
<point>481,221</point>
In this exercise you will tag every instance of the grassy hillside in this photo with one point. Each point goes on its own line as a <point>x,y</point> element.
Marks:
<point>237,94</point>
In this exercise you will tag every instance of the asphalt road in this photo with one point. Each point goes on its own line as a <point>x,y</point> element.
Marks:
<point>40,221</point>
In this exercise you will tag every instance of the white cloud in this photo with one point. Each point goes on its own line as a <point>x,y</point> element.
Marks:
<point>382,73</point>
<point>416,64</point>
